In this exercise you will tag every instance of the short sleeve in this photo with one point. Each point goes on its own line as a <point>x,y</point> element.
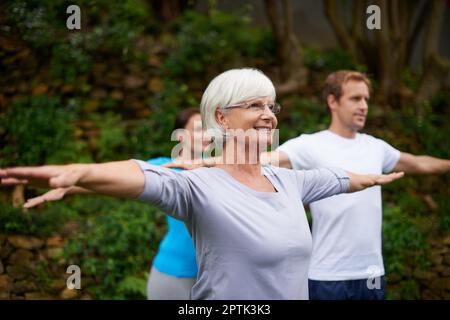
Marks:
<point>297,150</point>
<point>390,156</point>
<point>321,183</point>
<point>167,189</point>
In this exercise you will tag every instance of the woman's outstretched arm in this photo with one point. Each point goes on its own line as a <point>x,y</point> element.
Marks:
<point>122,179</point>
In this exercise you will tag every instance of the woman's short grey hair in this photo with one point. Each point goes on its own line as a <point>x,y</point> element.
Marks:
<point>232,87</point>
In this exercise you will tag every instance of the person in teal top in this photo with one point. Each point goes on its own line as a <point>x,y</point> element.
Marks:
<point>174,268</point>
<point>176,253</point>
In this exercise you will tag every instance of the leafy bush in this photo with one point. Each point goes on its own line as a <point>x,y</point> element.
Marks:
<point>112,140</point>
<point>167,104</point>
<point>215,43</point>
<point>37,222</point>
<point>115,246</point>
<point>401,236</point>
<point>301,115</point>
<point>404,246</point>
<point>31,139</point>
<point>113,28</point>
<point>330,60</point>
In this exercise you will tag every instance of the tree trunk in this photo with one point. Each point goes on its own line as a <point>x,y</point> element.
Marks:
<point>435,67</point>
<point>341,31</point>
<point>390,52</point>
<point>293,74</point>
<point>168,10</point>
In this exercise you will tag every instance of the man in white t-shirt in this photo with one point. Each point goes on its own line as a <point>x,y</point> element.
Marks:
<point>347,261</point>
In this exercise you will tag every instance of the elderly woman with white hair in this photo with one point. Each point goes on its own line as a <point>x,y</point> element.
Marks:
<point>247,221</point>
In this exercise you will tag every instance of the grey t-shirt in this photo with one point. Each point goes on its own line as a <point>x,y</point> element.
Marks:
<point>249,244</point>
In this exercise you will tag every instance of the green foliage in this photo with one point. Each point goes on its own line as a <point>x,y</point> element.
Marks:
<point>419,129</point>
<point>302,115</point>
<point>401,234</point>
<point>404,246</point>
<point>113,28</point>
<point>35,222</point>
<point>42,274</point>
<point>42,23</point>
<point>215,43</point>
<point>115,246</point>
<point>331,60</point>
<point>112,141</point>
<point>410,79</point>
<point>406,290</point>
<point>174,98</point>
<point>133,287</point>
<point>31,139</point>
<point>68,62</point>
<point>35,20</point>
<point>142,140</point>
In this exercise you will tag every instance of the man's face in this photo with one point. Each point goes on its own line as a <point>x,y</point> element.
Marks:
<point>351,109</point>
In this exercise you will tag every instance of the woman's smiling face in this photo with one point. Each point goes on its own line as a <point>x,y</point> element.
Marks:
<point>252,118</point>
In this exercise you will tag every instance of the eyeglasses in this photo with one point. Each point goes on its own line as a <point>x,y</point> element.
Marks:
<point>257,106</point>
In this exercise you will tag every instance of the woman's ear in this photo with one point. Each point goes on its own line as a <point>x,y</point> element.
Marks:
<point>221,118</point>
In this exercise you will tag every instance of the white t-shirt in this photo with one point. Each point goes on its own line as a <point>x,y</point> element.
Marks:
<point>346,228</point>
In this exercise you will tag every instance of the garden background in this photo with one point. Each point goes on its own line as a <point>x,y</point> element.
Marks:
<point>111,90</point>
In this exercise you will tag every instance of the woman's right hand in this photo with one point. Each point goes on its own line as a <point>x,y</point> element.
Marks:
<point>123,179</point>
<point>52,195</point>
<point>48,176</point>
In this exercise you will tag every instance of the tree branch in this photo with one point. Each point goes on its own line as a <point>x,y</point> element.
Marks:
<point>435,66</point>
<point>421,11</point>
<point>339,28</point>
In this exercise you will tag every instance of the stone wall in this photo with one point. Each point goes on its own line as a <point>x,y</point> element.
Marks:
<point>434,281</point>
<point>34,268</point>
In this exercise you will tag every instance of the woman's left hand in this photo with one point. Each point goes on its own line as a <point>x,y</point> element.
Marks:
<point>360,182</point>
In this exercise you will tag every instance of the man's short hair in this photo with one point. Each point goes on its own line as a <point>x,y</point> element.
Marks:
<point>336,80</point>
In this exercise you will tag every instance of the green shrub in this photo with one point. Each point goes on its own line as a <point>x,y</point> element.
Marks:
<point>174,98</point>
<point>302,115</point>
<point>115,246</point>
<point>208,45</point>
<point>112,29</point>
<point>112,140</point>
<point>36,222</point>
<point>330,60</point>
<point>31,139</point>
<point>67,62</point>
<point>403,240</point>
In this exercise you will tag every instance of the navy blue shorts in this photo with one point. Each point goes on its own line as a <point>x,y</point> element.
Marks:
<point>347,290</point>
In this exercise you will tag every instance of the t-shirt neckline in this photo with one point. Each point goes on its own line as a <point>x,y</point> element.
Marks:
<point>262,194</point>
